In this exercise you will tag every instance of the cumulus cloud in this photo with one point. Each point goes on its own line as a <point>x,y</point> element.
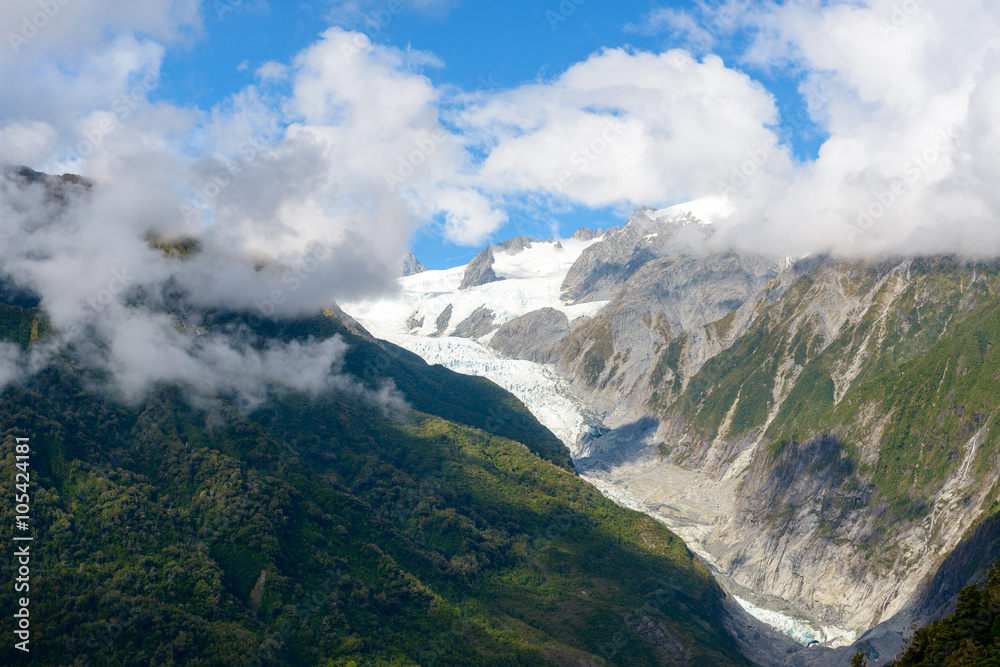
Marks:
<point>44,32</point>
<point>125,308</point>
<point>85,252</point>
<point>681,25</point>
<point>27,142</point>
<point>904,91</point>
<point>63,59</point>
<point>373,16</point>
<point>625,127</point>
<point>304,187</point>
<point>287,196</point>
<point>379,121</point>
<point>146,350</point>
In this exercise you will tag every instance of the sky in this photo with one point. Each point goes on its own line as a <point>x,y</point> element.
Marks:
<point>482,48</point>
<point>458,123</point>
<point>308,145</point>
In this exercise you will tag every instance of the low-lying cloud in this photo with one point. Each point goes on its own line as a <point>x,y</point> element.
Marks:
<point>122,305</point>
<point>305,187</point>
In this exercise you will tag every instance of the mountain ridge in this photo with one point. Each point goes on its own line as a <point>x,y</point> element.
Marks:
<point>746,384</point>
<point>316,530</point>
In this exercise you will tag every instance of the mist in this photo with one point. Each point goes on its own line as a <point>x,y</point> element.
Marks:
<point>305,187</point>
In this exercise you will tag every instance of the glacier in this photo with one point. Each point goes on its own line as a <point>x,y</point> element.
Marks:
<point>531,280</point>
<point>798,629</point>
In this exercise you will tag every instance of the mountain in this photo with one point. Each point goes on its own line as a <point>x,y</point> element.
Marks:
<point>851,400</point>
<point>822,432</point>
<point>517,244</point>
<point>433,316</point>
<point>337,529</point>
<point>409,265</point>
<point>602,268</point>
<point>970,636</point>
<point>480,270</point>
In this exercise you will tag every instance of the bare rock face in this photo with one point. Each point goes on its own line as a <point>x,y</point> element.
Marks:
<point>61,190</point>
<point>443,320</point>
<point>476,325</point>
<point>532,337</point>
<point>352,325</point>
<point>652,336</point>
<point>409,265</point>
<point>480,270</point>
<point>26,175</point>
<point>604,267</point>
<point>786,397</point>
<point>516,245</point>
<point>413,323</point>
<point>587,234</point>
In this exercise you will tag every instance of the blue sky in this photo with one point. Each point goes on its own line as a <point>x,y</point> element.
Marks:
<point>482,46</point>
<point>306,151</point>
<point>268,128</point>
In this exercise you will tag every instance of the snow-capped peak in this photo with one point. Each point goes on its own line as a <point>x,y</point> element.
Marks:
<point>706,210</point>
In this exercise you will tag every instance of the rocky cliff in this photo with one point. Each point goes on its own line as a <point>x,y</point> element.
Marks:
<point>480,270</point>
<point>826,443</point>
<point>409,265</point>
<point>822,432</point>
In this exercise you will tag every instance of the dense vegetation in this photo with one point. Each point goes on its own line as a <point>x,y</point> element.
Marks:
<point>332,531</point>
<point>901,387</point>
<point>968,638</point>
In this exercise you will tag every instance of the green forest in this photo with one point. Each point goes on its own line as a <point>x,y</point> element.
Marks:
<point>331,530</point>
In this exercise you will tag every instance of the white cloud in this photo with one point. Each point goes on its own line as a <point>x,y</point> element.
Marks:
<point>147,350</point>
<point>305,187</point>
<point>291,202</point>
<point>682,25</point>
<point>371,17</point>
<point>378,122</point>
<point>67,59</point>
<point>26,142</point>
<point>272,71</point>
<point>11,359</point>
<point>621,127</point>
<point>40,32</point>
<point>902,170</point>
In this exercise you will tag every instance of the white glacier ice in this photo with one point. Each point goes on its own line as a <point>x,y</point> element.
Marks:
<point>532,280</point>
<point>798,629</point>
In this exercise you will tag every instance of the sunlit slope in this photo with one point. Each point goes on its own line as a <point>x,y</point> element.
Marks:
<point>332,530</point>
<point>862,398</point>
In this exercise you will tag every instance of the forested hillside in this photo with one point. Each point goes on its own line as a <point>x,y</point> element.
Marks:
<point>335,530</point>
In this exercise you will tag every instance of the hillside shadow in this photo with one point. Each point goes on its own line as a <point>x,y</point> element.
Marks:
<point>610,448</point>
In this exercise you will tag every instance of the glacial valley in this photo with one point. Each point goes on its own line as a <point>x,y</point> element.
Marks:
<point>767,410</point>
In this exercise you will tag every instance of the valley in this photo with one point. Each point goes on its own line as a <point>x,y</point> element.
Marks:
<point>432,333</point>
<point>769,412</point>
